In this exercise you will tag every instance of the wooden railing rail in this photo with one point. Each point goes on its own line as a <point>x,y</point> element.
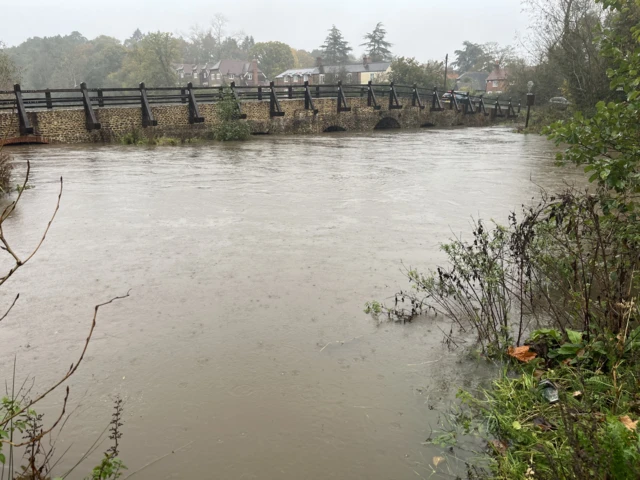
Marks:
<point>89,99</point>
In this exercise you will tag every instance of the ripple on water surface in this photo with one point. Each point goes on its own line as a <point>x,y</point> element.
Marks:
<point>249,265</point>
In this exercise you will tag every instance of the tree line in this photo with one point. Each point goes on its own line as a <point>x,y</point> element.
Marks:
<point>561,56</point>
<point>64,61</point>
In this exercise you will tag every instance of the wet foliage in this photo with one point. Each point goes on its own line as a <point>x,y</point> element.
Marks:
<point>554,294</point>
<point>230,127</point>
<point>5,172</point>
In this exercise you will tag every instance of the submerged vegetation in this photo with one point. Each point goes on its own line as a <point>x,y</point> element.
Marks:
<point>139,137</point>
<point>555,295</point>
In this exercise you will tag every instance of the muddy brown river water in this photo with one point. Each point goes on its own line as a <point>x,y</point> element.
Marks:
<point>243,347</point>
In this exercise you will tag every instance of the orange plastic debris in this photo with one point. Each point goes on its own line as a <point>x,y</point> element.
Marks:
<point>522,353</point>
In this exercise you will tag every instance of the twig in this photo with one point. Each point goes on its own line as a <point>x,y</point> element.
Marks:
<point>157,460</point>
<point>5,214</point>
<point>341,342</point>
<point>7,312</point>
<point>91,449</point>
<point>43,432</point>
<point>73,367</point>
<point>423,363</point>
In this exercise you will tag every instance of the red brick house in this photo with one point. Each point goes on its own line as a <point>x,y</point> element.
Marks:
<point>498,80</point>
<point>222,73</point>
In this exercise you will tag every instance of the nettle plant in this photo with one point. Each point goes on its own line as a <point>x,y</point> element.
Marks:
<point>27,443</point>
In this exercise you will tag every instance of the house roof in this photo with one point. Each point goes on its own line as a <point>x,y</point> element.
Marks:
<point>474,80</point>
<point>236,67</point>
<point>355,68</point>
<point>498,74</point>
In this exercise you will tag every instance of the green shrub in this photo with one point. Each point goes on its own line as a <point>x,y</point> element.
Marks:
<point>230,127</point>
<point>5,172</point>
<point>133,137</point>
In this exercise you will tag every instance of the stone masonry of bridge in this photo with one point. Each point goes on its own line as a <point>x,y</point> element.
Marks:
<point>69,125</point>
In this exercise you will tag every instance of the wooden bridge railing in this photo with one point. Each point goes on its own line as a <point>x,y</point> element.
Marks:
<point>21,101</point>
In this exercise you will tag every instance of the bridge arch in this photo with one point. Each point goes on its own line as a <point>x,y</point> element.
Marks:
<point>427,125</point>
<point>334,128</point>
<point>387,123</point>
<point>24,140</point>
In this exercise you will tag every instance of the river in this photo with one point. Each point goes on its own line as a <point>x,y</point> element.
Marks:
<point>243,347</point>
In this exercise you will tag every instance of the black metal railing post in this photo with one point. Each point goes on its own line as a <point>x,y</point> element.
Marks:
<point>470,108</point>
<point>308,100</point>
<point>342,100</point>
<point>194,111</point>
<point>481,105</point>
<point>454,102</point>
<point>23,119</point>
<point>394,104</point>
<point>234,93</point>
<point>274,104</point>
<point>147,114</point>
<point>90,115</point>
<point>47,96</point>
<point>371,97</point>
<point>416,101</point>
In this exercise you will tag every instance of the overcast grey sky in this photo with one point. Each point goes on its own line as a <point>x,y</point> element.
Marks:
<point>425,29</point>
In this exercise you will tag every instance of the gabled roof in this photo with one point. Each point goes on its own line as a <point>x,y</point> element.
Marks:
<point>300,71</point>
<point>235,67</point>
<point>475,80</point>
<point>498,74</point>
<point>376,67</point>
<point>225,67</point>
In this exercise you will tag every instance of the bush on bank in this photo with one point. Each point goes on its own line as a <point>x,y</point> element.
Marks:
<point>5,172</point>
<point>230,127</point>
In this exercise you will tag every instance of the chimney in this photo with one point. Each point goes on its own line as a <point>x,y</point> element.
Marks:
<point>319,64</point>
<point>254,68</point>
<point>366,60</point>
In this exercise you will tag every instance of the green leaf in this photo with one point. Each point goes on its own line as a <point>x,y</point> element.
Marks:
<point>516,425</point>
<point>568,349</point>
<point>2,458</point>
<point>574,337</point>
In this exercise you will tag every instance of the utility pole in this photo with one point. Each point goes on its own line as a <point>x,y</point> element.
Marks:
<point>446,65</point>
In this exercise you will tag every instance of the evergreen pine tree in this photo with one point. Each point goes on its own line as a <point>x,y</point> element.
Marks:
<point>335,49</point>
<point>377,46</point>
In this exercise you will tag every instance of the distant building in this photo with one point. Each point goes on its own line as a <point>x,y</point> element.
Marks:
<point>222,73</point>
<point>472,82</point>
<point>498,80</point>
<point>358,74</point>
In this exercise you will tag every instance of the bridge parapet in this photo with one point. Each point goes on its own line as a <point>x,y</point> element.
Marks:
<point>94,114</point>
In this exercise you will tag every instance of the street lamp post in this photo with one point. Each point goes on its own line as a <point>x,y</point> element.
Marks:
<point>531,98</point>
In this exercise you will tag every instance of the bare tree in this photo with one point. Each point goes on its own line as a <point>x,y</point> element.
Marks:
<point>565,33</point>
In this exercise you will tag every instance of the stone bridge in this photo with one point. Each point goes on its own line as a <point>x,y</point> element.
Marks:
<point>103,115</point>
